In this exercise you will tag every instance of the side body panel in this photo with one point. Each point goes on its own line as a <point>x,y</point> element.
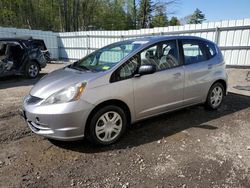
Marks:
<point>122,91</point>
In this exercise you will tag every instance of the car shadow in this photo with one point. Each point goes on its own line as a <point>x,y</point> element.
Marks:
<point>17,81</point>
<point>163,126</point>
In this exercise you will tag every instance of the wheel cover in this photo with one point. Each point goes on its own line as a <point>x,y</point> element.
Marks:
<point>108,126</point>
<point>33,70</point>
<point>216,96</point>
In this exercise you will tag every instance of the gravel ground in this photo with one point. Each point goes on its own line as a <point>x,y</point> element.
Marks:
<point>192,147</point>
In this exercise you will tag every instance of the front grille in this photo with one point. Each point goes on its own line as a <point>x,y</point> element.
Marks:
<point>33,100</point>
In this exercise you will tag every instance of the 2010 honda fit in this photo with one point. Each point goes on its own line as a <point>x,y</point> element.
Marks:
<point>101,94</point>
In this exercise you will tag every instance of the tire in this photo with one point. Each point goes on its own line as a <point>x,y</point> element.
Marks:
<point>32,70</point>
<point>102,130</point>
<point>215,96</point>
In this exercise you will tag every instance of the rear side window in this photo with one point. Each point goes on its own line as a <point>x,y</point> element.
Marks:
<point>2,49</point>
<point>193,51</point>
<point>39,44</point>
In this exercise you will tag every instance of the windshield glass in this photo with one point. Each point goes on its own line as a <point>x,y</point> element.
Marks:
<point>107,57</point>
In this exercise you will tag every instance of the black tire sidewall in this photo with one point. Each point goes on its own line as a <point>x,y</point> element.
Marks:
<point>27,69</point>
<point>91,135</point>
<point>208,101</point>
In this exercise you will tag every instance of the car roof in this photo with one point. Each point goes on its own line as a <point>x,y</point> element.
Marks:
<point>18,38</point>
<point>150,40</point>
<point>154,39</point>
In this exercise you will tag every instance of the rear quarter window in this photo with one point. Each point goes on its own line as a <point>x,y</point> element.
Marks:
<point>211,50</point>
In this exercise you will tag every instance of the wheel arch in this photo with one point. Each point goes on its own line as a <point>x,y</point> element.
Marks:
<point>115,102</point>
<point>224,84</point>
<point>36,61</point>
<point>28,61</point>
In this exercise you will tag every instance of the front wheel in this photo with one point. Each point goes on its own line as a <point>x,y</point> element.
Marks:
<point>215,96</point>
<point>107,125</point>
<point>32,70</point>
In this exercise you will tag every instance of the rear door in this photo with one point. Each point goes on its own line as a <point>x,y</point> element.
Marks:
<point>198,69</point>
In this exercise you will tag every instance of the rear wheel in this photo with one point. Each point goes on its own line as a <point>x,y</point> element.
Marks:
<point>32,70</point>
<point>215,96</point>
<point>107,125</point>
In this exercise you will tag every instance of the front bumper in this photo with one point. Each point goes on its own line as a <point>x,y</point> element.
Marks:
<point>58,121</point>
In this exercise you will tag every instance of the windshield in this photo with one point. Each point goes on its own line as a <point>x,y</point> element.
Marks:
<point>107,57</point>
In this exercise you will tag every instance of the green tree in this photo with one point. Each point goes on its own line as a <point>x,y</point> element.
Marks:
<point>174,21</point>
<point>145,13</point>
<point>76,15</point>
<point>197,17</point>
<point>160,19</point>
<point>131,14</point>
<point>111,15</point>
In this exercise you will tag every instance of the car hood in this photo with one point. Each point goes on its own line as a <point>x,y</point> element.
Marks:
<point>60,79</point>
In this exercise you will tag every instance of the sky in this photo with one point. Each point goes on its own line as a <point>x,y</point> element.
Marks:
<point>214,10</point>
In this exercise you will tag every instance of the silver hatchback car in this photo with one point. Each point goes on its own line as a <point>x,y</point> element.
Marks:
<point>122,83</point>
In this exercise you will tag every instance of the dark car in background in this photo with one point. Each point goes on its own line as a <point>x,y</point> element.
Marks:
<point>22,56</point>
<point>39,43</point>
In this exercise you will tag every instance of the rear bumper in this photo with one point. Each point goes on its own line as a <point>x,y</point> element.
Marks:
<point>60,122</point>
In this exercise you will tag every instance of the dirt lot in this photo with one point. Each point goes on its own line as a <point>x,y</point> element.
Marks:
<point>188,148</point>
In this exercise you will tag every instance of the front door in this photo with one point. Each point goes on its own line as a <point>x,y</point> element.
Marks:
<point>163,90</point>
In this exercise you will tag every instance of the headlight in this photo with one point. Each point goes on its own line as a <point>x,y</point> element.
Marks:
<point>68,94</point>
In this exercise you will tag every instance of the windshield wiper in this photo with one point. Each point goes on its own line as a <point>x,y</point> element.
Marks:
<point>80,68</point>
<point>84,67</point>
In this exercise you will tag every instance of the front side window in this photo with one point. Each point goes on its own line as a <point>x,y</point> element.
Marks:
<point>127,70</point>
<point>107,57</point>
<point>193,52</point>
<point>163,55</point>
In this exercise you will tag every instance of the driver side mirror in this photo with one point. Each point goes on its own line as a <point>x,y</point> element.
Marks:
<point>146,69</point>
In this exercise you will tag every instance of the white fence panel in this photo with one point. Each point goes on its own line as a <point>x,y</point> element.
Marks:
<point>233,36</point>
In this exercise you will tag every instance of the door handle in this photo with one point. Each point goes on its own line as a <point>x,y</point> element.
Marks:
<point>177,75</point>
